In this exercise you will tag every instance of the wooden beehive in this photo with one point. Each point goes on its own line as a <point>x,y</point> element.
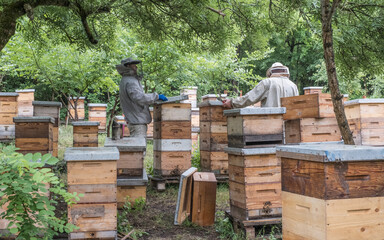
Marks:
<point>97,112</point>
<point>172,130</point>
<point>312,130</point>
<point>308,106</point>
<point>76,104</point>
<point>85,134</point>
<point>172,112</point>
<point>254,183</point>
<point>195,139</point>
<point>8,110</point>
<point>366,120</point>
<point>131,188</point>
<point>195,117</point>
<point>92,172</point>
<point>24,102</point>
<point>203,198</point>
<point>312,90</point>
<point>191,92</point>
<point>34,134</point>
<point>50,109</point>
<point>254,127</point>
<point>150,130</point>
<point>332,191</point>
<point>131,162</point>
<point>213,97</point>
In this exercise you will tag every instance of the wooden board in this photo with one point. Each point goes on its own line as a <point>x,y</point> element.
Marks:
<point>172,130</point>
<point>171,145</point>
<point>252,141</point>
<point>172,112</point>
<point>262,160</point>
<point>97,114</point>
<point>34,144</point>
<point>312,130</point>
<point>255,125</point>
<point>85,129</point>
<point>308,106</point>
<point>333,180</point>
<point>213,141</point>
<point>269,174</point>
<point>95,193</point>
<point>93,217</point>
<point>130,163</point>
<point>91,172</point>
<point>312,91</point>
<point>48,111</point>
<point>184,197</point>
<point>213,127</point>
<point>7,118</point>
<point>104,235</point>
<point>131,193</point>
<point>8,98</point>
<point>364,110</point>
<point>85,138</point>
<point>216,162</point>
<point>203,198</point>
<point>7,131</point>
<point>8,107</point>
<point>171,163</point>
<point>212,113</point>
<point>34,130</point>
<point>85,144</point>
<point>253,214</point>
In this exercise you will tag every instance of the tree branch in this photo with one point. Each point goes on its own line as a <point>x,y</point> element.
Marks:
<point>217,11</point>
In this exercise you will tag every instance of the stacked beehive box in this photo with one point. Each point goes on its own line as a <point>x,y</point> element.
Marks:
<point>254,170</point>
<point>332,191</point>
<point>213,137</point>
<point>92,172</point>
<point>195,121</point>
<point>312,90</point>
<point>191,92</point>
<point>97,112</point>
<point>85,134</point>
<point>24,102</point>
<point>171,138</point>
<point>49,109</point>
<point>80,108</point>
<point>366,120</point>
<point>124,127</point>
<point>310,118</point>
<point>8,110</point>
<point>150,126</point>
<point>34,134</point>
<point>131,176</point>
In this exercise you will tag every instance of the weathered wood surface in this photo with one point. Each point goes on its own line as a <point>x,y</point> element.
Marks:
<point>251,141</point>
<point>261,160</point>
<point>130,163</point>
<point>312,130</point>
<point>172,112</point>
<point>213,141</point>
<point>95,193</point>
<point>130,193</point>
<point>367,131</point>
<point>85,138</point>
<point>171,145</point>
<point>8,107</point>
<point>171,163</point>
<point>213,127</point>
<point>212,113</point>
<point>212,161</point>
<point>105,235</point>
<point>312,90</point>
<point>261,175</point>
<point>34,144</point>
<point>308,106</point>
<point>255,125</point>
<point>204,198</point>
<point>91,172</point>
<point>333,180</point>
<point>172,130</point>
<point>364,108</point>
<point>34,130</point>
<point>85,129</point>
<point>7,118</point>
<point>254,214</point>
<point>7,131</point>
<point>184,197</point>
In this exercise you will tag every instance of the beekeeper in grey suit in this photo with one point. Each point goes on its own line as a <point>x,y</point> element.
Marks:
<point>268,91</point>
<point>134,102</point>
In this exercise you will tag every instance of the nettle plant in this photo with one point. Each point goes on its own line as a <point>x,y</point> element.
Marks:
<point>23,190</point>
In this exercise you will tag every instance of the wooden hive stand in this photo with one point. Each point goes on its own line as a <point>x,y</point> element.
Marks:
<point>85,134</point>
<point>24,102</point>
<point>366,120</point>
<point>213,137</point>
<point>8,110</point>
<point>97,112</point>
<point>92,172</point>
<point>332,191</point>
<point>34,134</point>
<point>49,109</point>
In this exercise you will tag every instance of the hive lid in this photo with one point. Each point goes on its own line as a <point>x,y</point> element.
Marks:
<point>255,111</point>
<point>25,90</point>
<point>8,94</point>
<point>204,177</point>
<point>91,154</point>
<point>81,98</point>
<point>133,181</point>
<point>213,96</point>
<point>365,100</point>
<point>119,117</point>
<point>174,99</point>
<point>250,151</point>
<point>189,87</point>
<point>127,144</point>
<point>315,88</point>
<point>331,152</point>
<point>33,119</point>
<point>209,103</point>
<point>85,123</point>
<point>195,109</point>
<point>46,104</point>
<point>97,105</point>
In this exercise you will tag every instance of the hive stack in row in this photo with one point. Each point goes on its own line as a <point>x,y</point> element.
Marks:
<point>85,134</point>
<point>171,138</point>
<point>92,172</point>
<point>312,90</point>
<point>332,191</point>
<point>310,118</point>
<point>195,121</point>
<point>97,112</point>
<point>132,178</point>
<point>366,121</point>
<point>254,170</point>
<point>8,110</point>
<point>34,134</point>
<point>24,102</point>
<point>121,120</point>
<point>49,109</point>
<point>191,92</point>
<point>213,137</point>
<point>79,106</point>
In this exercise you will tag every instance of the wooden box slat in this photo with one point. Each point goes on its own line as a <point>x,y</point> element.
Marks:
<point>171,163</point>
<point>308,106</point>
<point>132,192</point>
<point>95,193</point>
<point>85,138</point>
<point>8,107</point>
<point>8,98</point>
<point>7,131</point>
<point>216,162</point>
<point>261,175</point>
<point>255,125</point>
<point>85,129</point>
<point>34,130</point>
<point>34,144</point>
<point>364,109</point>
<point>172,112</point>
<point>213,141</point>
<point>130,163</point>
<point>172,130</point>
<point>261,160</point>
<point>91,172</point>
<point>213,127</point>
<point>7,118</point>
<point>212,113</point>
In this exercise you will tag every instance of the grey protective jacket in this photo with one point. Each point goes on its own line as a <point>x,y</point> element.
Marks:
<point>134,102</point>
<point>268,91</point>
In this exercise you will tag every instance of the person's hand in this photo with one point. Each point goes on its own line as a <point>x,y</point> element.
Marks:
<point>227,103</point>
<point>162,97</point>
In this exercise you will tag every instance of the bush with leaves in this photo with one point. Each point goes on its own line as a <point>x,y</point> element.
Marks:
<point>30,211</point>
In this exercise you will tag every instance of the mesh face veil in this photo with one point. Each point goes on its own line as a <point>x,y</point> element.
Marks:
<point>278,68</point>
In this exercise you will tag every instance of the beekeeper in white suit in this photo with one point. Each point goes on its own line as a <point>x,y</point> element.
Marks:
<point>268,91</point>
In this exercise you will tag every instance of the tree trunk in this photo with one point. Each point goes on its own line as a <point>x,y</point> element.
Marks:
<point>327,12</point>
